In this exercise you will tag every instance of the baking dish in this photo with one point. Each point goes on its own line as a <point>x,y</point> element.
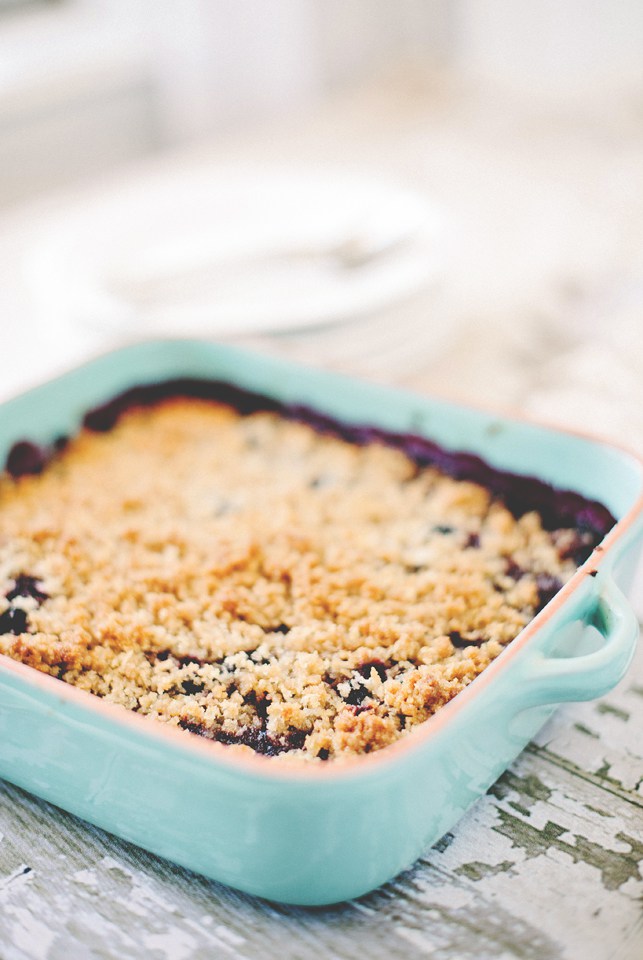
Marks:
<point>318,833</point>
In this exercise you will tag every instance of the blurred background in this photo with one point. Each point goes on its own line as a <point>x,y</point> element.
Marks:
<point>442,193</point>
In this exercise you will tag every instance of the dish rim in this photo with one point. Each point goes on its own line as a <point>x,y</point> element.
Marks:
<point>285,767</point>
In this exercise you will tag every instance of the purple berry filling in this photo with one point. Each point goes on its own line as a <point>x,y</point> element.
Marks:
<point>13,620</point>
<point>27,586</point>
<point>460,642</point>
<point>548,587</point>
<point>256,738</point>
<point>557,508</point>
<point>26,458</point>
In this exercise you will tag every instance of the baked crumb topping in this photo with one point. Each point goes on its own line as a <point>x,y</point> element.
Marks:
<point>257,582</point>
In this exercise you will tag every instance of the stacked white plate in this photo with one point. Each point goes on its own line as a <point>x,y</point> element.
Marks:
<point>211,253</point>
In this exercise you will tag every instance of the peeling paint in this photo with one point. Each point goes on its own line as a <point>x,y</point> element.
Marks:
<point>476,870</point>
<point>608,709</point>
<point>603,773</point>
<point>586,730</point>
<point>530,790</point>
<point>601,813</point>
<point>479,931</point>
<point>615,868</point>
<point>600,777</point>
<point>444,842</point>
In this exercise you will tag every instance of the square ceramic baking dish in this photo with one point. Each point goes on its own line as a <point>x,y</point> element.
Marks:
<point>314,833</point>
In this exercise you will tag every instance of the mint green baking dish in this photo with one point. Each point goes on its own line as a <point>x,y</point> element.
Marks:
<point>319,833</point>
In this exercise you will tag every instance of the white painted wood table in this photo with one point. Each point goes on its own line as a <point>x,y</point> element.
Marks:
<point>549,864</point>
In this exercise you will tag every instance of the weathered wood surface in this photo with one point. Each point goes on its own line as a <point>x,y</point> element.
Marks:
<point>547,866</point>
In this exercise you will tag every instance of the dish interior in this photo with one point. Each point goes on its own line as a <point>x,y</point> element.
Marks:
<point>269,576</point>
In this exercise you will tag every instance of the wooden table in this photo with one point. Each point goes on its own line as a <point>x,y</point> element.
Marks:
<point>549,864</point>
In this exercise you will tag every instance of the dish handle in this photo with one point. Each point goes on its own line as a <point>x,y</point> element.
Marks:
<point>555,679</point>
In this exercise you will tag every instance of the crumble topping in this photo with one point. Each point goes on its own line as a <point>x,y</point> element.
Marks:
<point>252,580</point>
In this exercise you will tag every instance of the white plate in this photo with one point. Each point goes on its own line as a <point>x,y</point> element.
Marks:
<point>203,252</point>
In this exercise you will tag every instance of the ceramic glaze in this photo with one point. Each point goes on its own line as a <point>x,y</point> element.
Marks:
<point>317,833</point>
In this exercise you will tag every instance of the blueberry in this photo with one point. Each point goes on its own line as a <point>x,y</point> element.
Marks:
<point>461,642</point>
<point>13,620</point>
<point>27,586</point>
<point>26,458</point>
<point>548,587</point>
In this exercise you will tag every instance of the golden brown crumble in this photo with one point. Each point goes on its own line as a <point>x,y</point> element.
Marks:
<point>251,580</point>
